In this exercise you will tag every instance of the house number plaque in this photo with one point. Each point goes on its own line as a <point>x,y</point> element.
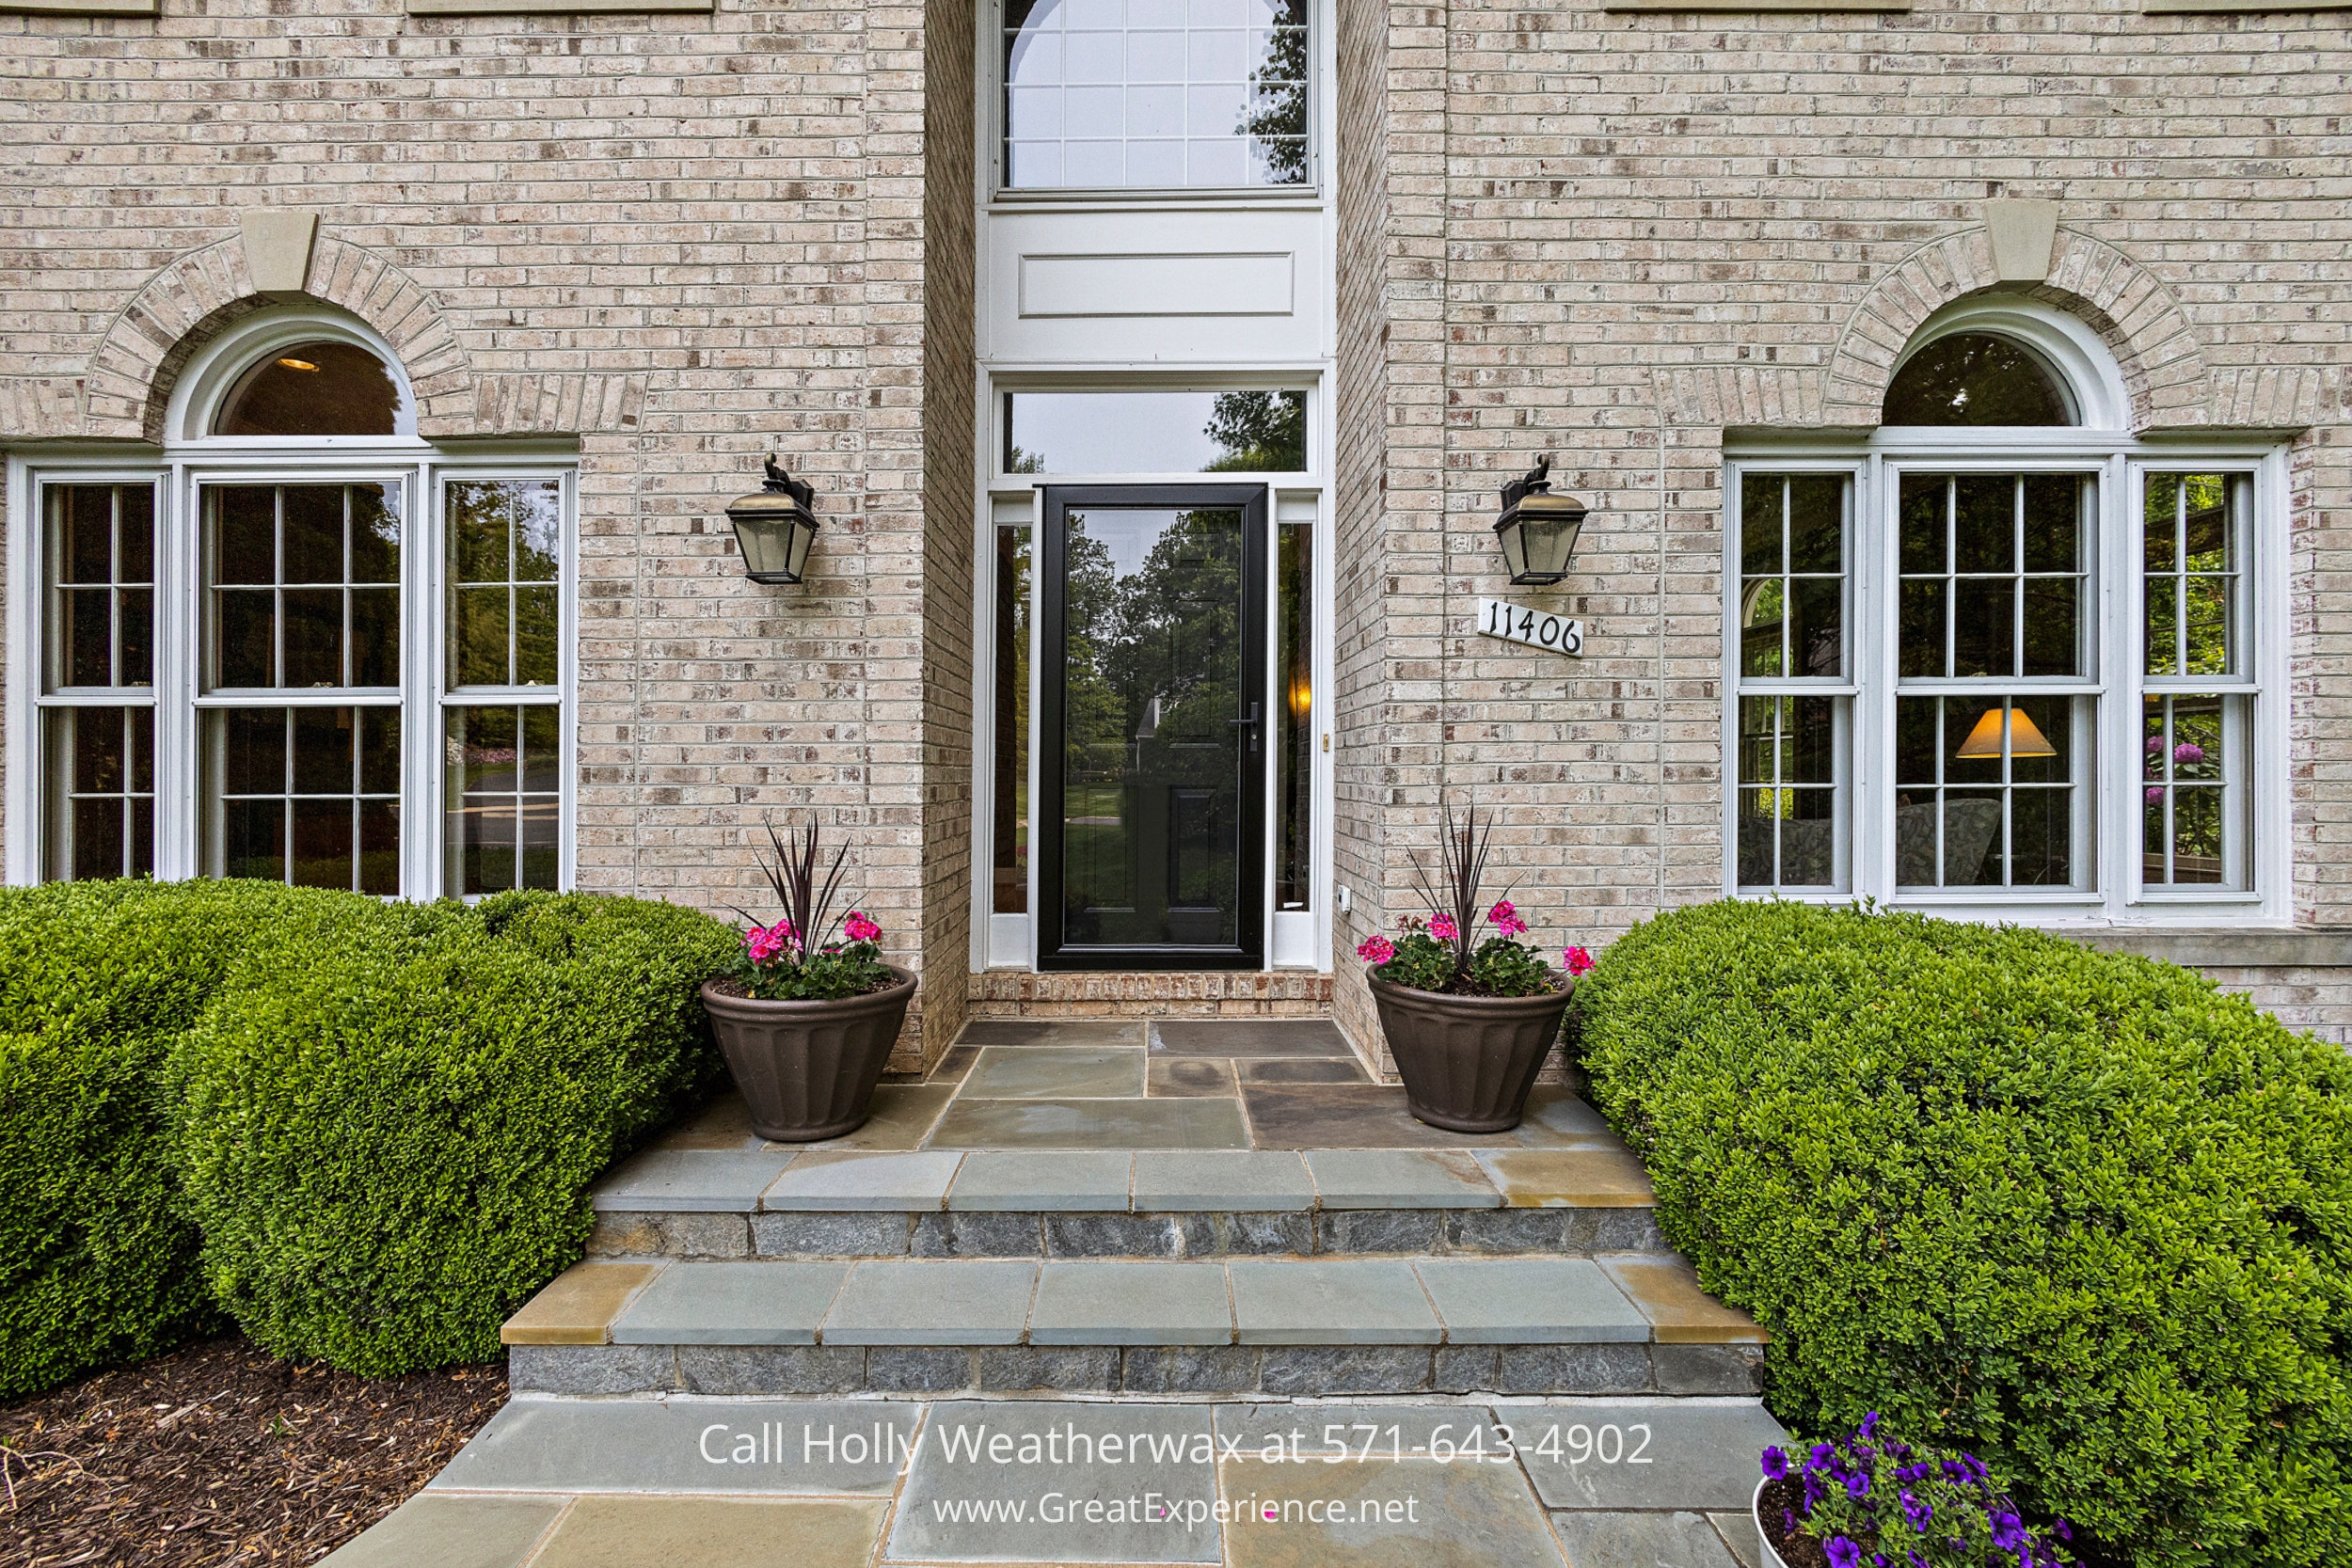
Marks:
<point>1535,628</point>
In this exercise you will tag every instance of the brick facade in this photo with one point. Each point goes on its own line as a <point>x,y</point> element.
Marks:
<point>688,240</point>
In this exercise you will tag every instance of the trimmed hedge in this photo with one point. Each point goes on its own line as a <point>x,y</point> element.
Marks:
<point>2079,1212</point>
<point>97,980</point>
<point>387,1143</point>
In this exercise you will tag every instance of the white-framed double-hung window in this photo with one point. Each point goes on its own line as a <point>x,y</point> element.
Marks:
<point>1996,658</point>
<point>298,643</point>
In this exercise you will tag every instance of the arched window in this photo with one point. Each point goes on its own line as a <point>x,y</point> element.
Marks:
<point>333,656</point>
<point>322,388</point>
<point>1974,378</point>
<point>2002,652</point>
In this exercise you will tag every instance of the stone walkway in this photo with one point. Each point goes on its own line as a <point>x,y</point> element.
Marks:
<point>638,1483</point>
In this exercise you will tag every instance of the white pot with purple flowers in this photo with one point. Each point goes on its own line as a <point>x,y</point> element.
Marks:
<point>1870,1501</point>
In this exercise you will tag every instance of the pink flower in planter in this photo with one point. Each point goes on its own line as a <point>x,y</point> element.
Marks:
<point>1443,927</point>
<point>1506,918</point>
<point>762,943</point>
<point>1376,950</point>
<point>859,928</point>
<point>1577,960</point>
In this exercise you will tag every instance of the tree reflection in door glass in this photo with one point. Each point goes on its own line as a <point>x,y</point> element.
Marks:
<point>1153,759</point>
<point>1155,433</point>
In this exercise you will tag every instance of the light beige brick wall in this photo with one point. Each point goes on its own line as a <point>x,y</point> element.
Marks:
<point>691,240</point>
<point>1611,236</point>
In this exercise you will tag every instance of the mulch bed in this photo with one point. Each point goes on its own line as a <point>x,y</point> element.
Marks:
<point>218,1455</point>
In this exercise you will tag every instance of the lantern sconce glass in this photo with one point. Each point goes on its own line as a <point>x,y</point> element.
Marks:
<point>774,527</point>
<point>1538,529</point>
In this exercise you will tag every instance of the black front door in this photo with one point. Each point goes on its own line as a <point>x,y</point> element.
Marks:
<point>1151,743</point>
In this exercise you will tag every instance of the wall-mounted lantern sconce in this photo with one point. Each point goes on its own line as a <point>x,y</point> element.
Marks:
<point>774,527</point>
<point>1538,529</point>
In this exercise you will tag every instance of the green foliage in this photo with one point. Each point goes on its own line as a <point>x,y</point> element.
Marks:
<point>1422,962</point>
<point>825,975</point>
<point>387,1143</point>
<point>1501,967</point>
<point>2077,1212</point>
<point>97,981</point>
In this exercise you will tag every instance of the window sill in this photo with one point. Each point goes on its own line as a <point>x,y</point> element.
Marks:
<point>2196,7</point>
<point>556,7</point>
<point>2317,948</point>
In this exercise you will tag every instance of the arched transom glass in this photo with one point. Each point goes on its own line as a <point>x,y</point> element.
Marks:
<point>1974,378</point>
<point>324,387</point>
<point>1155,94</point>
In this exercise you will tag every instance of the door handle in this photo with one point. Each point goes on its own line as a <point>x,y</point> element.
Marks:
<point>1251,721</point>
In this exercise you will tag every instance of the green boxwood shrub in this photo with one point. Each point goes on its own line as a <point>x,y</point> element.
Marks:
<point>97,980</point>
<point>387,1143</point>
<point>2079,1212</point>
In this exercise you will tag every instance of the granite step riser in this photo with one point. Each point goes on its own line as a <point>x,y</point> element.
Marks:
<point>1362,1232</point>
<point>1156,1372</point>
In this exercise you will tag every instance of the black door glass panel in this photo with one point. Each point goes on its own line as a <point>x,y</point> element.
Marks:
<point>1155,738</point>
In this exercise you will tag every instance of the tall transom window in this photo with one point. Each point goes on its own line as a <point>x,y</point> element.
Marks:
<point>1155,94</point>
<point>2003,654</point>
<point>301,643</point>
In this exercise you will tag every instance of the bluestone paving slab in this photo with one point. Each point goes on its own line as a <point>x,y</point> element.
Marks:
<point>690,1180</point>
<point>1695,1453</point>
<point>1163,1451</point>
<point>1557,1117</point>
<point>1225,1180</point>
<point>1190,1076</point>
<point>1313,1432</point>
<point>1390,1514</point>
<point>1016,1072</point>
<point>1034,1181</point>
<point>712,1532</point>
<point>928,1302</point>
<point>731,1304</point>
<point>1132,1304</point>
<point>1739,1534</point>
<point>1400,1179</point>
<point>578,1306</point>
<point>1529,1301</point>
<point>1123,1124</point>
<point>1595,1178</point>
<point>432,1530</point>
<point>912,1181</point>
<point>705,1446</point>
<point>725,1123</point>
<point>1303,1069</point>
<point>1052,1031</point>
<point>901,1116</point>
<point>1373,1116</point>
<point>1602,1540</point>
<point>1295,1302</point>
<point>1668,1293</point>
<point>1237,1037</point>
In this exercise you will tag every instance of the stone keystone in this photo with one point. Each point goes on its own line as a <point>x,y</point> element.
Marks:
<point>2023,233</point>
<point>278,249</point>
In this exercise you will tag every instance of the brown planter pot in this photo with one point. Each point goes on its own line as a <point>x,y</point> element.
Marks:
<point>1468,1061</point>
<point>807,1070</point>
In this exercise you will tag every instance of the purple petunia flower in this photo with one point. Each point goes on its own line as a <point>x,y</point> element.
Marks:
<point>1813,1492</point>
<point>2065,1530</point>
<point>1842,1553</point>
<point>1870,1425</point>
<point>1858,1485</point>
<point>1917,1512</point>
<point>1823,1458</point>
<point>1775,1463</point>
<point>2009,1532</point>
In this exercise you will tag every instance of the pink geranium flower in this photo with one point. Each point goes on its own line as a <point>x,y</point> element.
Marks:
<point>859,928</point>
<point>1443,927</point>
<point>1506,918</point>
<point>762,943</point>
<point>1376,950</point>
<point>1577,960</point>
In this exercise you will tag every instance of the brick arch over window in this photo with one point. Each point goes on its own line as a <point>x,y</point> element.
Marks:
<point>134,370</point>
<point>2161,359</point>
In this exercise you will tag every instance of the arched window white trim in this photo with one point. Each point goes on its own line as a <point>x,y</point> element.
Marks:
<point>195,400</point>
<point>2076,357</point>
<point>2109,822</point>
<point>408,614</point>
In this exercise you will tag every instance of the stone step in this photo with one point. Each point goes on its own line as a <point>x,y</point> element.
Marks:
<point>1615,1323</point>
<point>690,1203</point>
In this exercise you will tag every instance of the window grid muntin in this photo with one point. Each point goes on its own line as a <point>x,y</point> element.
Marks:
<point>74,799</point>
<point>2019,576</point>
<point>510,585</point>
<point>1291,21</point>
<point>365,807</point>
<point>2078,747</point>
<point>212,498</point>
<point>1782,692</point>
<point>128,598</point>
